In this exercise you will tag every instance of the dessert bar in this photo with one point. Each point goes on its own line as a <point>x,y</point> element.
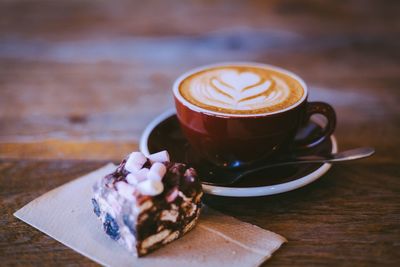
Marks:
<point>148,202</point>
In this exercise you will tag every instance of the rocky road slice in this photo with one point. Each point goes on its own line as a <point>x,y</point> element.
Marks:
<point>148,202</point>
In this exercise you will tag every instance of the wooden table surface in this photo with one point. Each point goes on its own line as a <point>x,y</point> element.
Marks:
<point>79,81</point>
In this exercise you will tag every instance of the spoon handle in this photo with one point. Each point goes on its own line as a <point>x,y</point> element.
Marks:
<point>352,154</point>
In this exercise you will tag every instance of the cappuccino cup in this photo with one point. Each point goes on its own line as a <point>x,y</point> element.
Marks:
<point>239,113</point>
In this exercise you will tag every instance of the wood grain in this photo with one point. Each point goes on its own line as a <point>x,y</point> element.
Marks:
<point>350,217</point>
<point>79,81</point>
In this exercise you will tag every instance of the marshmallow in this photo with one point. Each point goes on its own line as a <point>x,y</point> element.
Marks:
<point>161,156</point>
<point>125,190</point>
<point>132,179</point>
<point>150,187</point>
<point>135,178</point>
<point>142,174</point>
<point>135,161</point>
<point>157,171</point>
<point>172,195</point>
<point>154,176</point>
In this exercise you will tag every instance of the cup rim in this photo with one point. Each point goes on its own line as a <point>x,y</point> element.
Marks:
<point>183,101</point>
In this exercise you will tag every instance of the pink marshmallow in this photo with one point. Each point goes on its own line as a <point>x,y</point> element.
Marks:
<point>161,156</point>
<point>172,195</point>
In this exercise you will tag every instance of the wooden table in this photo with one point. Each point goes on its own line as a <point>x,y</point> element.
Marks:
<point>79,81</point>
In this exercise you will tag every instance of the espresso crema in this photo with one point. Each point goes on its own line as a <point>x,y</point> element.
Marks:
<point>241,89</point>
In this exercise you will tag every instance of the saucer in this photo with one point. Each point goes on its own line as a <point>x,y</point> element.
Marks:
<point>164,133</point>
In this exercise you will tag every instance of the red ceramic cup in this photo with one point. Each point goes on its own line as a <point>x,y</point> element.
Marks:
<point>228,139</point>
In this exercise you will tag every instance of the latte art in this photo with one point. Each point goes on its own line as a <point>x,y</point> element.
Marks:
<point>241,90</point>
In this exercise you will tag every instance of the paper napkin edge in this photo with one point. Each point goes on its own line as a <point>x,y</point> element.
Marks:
<point>16,213</point>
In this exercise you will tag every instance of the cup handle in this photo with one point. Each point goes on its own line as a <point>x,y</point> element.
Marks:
<point>329,113</point>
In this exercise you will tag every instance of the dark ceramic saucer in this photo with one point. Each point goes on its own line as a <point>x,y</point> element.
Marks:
<point>163,133</point>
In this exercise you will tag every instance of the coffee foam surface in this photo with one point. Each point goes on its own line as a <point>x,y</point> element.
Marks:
<point>241,90</point>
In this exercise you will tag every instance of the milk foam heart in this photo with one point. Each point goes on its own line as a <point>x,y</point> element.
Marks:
<point>241,89</point>
<point>239,81</point>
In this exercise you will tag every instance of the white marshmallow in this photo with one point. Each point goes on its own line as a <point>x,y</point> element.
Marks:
<point>132,179</point>
<point>161,156</point>
<point>125,190</point>
<point>142,174</point>
<point>154,176</point>
<point>157,171</point>
<point>135,162</point>
<point>138,157</point>
<point>150,187</point>
<point>131,167</point>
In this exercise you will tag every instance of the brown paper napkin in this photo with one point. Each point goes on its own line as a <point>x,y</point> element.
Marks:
<point>66,215</point>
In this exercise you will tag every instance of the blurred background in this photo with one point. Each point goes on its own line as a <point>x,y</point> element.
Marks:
<point>81,79</point>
